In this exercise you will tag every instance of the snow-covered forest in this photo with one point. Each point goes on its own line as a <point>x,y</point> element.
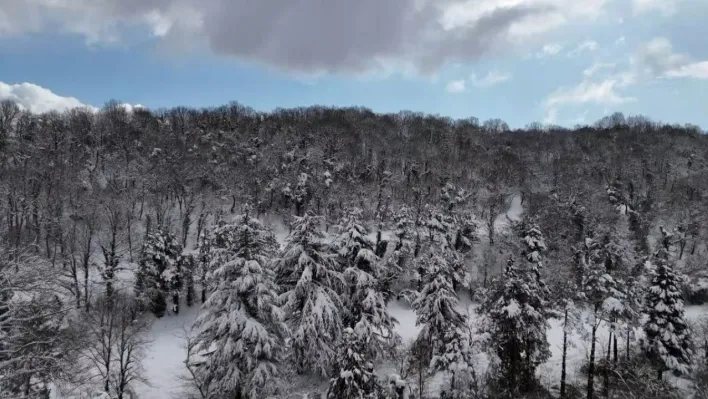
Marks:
<point>333,253</point>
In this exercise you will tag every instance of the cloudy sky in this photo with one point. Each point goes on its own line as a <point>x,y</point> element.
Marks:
<point>555,61</point>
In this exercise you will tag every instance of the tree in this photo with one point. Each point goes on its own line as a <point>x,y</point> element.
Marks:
<point>516,308</point>
<point>307,273</point>
<point>604,294</point>
<point>114,343</point>
<point>158,270</point>
<point>37,342</point>
<point>240,330</point>
<point>445,334</point>
<point>354,375</point>
<point>668,341</point>
<point>364,298</point>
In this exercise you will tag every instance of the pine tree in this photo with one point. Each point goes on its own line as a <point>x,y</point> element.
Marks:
<point>240,329</point>
<point>204,250</point>
<point>668,342</point>
<point>403,224</point>
<point>312,285</point>
<point>188,266</point>
<point>517,312</point>
<point>354,371</point>
<point>445,333</point>
<point>157,270</point>
<point>605,295</point>
<point>364,299</point>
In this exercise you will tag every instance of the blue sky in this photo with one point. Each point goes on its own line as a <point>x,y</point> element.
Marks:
<point>553,61</point>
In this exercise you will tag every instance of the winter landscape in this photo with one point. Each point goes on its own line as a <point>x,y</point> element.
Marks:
<point>293,199</point>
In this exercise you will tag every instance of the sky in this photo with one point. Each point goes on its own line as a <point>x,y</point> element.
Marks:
<point>560,62</point>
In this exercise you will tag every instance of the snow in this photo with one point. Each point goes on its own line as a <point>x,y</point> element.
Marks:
<point>164,358</point>
<point>165,354</point>
<point>513,214</point>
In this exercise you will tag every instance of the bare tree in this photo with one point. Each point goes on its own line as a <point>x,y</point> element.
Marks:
<point>34,338</point>
<point>193,381</point>
<point>115,343</point>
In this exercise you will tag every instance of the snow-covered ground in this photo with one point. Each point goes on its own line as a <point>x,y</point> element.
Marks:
<point>165,356</point>
<point>164,361</point>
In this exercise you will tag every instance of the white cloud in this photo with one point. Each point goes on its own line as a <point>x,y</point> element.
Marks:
<point>658,56</point>
<point>549,50</point>
<point>620,41</point>
<point>696,70</point>
<point>659,59</point>
<point>130,107</point>
<point>551,117</point>
<point>456,86</point>
<point>598,66</point>
<point>666,7</point>
<point>491,79</point>
<point>588,45</point>
<point>361,35</point>
<point>38,99</point>
<point>602,93</point>
<point>581,119</point>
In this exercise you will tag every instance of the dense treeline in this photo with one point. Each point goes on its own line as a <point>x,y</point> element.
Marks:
<point>609,211</point>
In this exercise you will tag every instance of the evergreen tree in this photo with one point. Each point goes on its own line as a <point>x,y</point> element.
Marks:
<point>364,298</point>
<point>189,265</point>
<point>312,285</point>
<point>445,333</point>
<point>517,312</point>
<point>204,250</point>
<point>354,371</point>
<point>403,225</point>
<point>668,342</point>
<point>158,270</point>
<point>240,329</point>
<point>605,295</point>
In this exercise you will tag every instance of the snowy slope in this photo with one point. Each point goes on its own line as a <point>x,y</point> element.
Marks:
<point>164,358</point>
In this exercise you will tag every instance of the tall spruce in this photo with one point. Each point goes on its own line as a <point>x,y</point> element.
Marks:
<point>240,328</point>
<point>158,270</point>
<point>353,375</point>
<point>668,341</point>
<point>307,272</point>
<point>444,335</point>
<point>364,299</point>
<point>516,309</point>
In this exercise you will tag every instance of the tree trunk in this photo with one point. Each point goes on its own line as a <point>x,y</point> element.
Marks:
<point>591,365</point>
<point>565,355</point>
<point>606,369</point>
<point>629,331</point>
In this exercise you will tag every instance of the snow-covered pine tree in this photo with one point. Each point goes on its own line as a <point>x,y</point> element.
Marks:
<point>534,245</point>
<point>354,375</point>
<point>203,260</point>
<point>302,193</point>
<point>364,299</point>
<point>188,266</point>
<point>352,244</point>
<point>312,285</point>
<point>668,342</point>
<point>444,332</point>
<point>240,328</point>
<point>516,309</point>
<point>174,277</point>
<point>403,224</point>
<point>159,262</point>
<point>604,294</point>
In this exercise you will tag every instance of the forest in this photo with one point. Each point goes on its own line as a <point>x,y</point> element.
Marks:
<point>542,262</point>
